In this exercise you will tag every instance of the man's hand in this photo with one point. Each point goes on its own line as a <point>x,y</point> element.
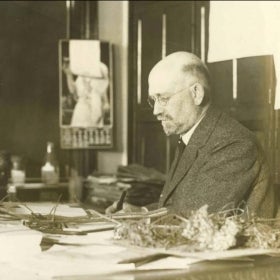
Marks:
<point>112,208</point>
<point>126,208</point>
<point>132,208</point>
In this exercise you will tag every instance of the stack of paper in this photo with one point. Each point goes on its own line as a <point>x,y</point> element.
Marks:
<point>18,241</point>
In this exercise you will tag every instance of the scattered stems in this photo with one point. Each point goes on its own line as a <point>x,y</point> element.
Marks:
<point>202,231</point>
<point>51,223</point>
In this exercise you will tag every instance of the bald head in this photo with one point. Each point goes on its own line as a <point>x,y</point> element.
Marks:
<point>179,91</point>
<point>176,69</point>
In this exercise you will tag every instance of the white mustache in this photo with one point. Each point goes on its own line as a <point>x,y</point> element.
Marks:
<point>164,118</point>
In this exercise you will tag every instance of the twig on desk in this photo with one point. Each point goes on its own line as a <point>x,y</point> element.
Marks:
<point>3,199</point>
<point>53,210</point>
<point>140,215</point>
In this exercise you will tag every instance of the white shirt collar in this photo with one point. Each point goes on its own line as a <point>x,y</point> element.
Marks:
<point>187,136</point>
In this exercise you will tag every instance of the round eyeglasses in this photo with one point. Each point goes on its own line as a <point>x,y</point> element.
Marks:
<point>162,100</point>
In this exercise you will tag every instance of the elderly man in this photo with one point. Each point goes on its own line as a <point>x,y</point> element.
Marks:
<point>218,162</point>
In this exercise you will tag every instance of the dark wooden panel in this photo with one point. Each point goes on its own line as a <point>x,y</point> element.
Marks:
<point>153,6</point>
<point>254,75</point>
<point>151,48</point>
<point>29,34</point>
<point>253,106</point>
<point>179,27</point>
<point>221,77</point>
<point>254,84</point>
<point>148,144</point>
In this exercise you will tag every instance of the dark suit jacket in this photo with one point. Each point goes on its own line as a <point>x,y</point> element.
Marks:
<point>222,165</point>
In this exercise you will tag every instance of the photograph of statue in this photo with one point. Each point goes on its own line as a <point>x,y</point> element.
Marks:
<point>86,96</point>
<point>90,97</point>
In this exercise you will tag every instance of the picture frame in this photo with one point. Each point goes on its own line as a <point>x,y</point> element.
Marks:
<point>86,103</point>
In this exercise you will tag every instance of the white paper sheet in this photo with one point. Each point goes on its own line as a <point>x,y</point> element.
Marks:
<point>169,263</point>
<point>66,263</point>
<point>18,242</point>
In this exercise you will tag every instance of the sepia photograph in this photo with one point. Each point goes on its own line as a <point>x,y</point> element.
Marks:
<point>139,140</point>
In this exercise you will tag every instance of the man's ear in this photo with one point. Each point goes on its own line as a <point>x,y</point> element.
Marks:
<point>197,91</point>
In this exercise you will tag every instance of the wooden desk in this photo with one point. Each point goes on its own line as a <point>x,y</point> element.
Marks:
<point>261,268</point>
<point>97,257</point>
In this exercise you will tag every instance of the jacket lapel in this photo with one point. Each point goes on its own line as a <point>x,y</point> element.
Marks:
<point>186,161</point>
<point>198,139</point>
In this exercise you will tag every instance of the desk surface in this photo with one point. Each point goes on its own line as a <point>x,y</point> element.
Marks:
<point>261,268</point>
<point>203,271</point>
<point>96,256</point>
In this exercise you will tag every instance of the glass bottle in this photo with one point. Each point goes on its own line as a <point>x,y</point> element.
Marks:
<point>50,170</point>
<point>17,170</point>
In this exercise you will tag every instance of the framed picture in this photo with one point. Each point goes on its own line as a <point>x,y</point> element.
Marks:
<point>85,94</point>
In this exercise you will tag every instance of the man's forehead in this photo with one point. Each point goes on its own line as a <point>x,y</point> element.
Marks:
<point>164,80</point>
<point>168,74</point>
<point>160,85</point>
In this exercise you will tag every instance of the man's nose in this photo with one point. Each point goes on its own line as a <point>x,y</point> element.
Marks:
<point>157,109</point>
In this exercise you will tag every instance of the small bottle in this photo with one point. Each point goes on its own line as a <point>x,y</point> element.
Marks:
<point>50,170</point>
<point>12,192</point>
<point>17,171</point>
